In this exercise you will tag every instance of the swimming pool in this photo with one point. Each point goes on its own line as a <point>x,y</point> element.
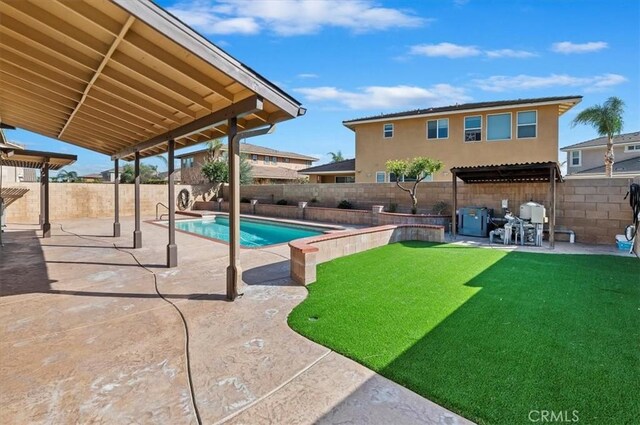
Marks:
<point>253,233</point>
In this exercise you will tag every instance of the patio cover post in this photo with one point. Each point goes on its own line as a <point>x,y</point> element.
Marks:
<point>234,271</point>
<point>172,248</point>
<point>454,203</point>
<point>137,234</point>
<point>552,207</point>
<point>46,226</point>
<point>41,217</point>
<point>116,198</point>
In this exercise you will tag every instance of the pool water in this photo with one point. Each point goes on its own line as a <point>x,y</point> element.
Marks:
<point>253,233</point>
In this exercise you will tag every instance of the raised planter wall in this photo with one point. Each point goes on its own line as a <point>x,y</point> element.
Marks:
<point>307,253</point>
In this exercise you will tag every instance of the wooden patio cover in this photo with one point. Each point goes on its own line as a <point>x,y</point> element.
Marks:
<point>116,76</point>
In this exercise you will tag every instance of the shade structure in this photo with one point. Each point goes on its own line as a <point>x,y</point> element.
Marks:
<point>116,76</point>
<point>25,158</point>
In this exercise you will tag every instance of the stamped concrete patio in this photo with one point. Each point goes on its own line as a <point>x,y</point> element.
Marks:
<point>84,338</point>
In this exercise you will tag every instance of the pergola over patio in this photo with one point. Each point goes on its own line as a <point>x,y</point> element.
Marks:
<point>127,79</point>
<point>43,161</point>
<point>510,173</point>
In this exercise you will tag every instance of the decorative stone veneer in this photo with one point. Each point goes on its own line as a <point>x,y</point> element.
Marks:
<point>307,253</point>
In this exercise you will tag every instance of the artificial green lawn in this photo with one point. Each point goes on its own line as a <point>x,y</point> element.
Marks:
<point>488,334</point>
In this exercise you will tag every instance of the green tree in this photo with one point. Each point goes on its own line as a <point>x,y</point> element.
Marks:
<point>217,171</point>
<point>418,168</point>
<point>67,176</point>
<point>336,156</point>
<point>148,172</point>
<point>607,120</point>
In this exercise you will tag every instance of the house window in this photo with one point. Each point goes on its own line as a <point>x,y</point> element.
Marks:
<point>274,160</point>
<point>392,178</point>
<point>576,158</point>
<point>388,131</point>
<point>473,129</point>
<point>254,158</point>
<point>345,179</point>
<point>499,127</point>
<point>266,160</point>
<point>438,129</point>
<point>187,162</point>
<point>527,123</point>
<point>632,148</point>
<point>381,177</point>
<point>286,160</point>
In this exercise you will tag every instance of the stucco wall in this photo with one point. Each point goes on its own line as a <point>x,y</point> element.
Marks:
<point>410,140</point>
<point>82,200</point>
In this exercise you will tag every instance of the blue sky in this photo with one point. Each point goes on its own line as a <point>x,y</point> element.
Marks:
<point>349,59</point>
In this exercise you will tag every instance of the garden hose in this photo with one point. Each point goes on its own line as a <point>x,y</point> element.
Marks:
<point>634,201</point>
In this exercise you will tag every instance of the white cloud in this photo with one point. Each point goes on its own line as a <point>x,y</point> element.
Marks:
<point>291,17</point>
<point>456,51</point>
<point>387,97</point>
<point>307,75</point>
<point>567,47</point>
<point>501,83</point>
<point>448,50</point>
<point>509,53</point>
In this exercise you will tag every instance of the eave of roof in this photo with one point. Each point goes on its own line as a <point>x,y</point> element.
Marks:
<point>508,173</point>
<point>346,166</point>
<point>619,140</point>
<point>35,159</point>
<point>566,102</point>
<point>255,149</point>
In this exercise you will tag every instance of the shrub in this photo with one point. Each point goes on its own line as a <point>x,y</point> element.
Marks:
<point>440,208</point>
<point>245,200</point>
<point>393,207</point>
<point>282,202</point>
<point>345,205</point>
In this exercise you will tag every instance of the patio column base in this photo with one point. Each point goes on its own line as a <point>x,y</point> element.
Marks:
<point>234,275</point>
<point>116,230</point>
<point>172,255</point>
<point>46,230</point>
<point>137,239</point>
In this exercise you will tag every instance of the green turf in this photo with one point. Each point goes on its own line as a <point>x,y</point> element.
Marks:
<point>488,334</point>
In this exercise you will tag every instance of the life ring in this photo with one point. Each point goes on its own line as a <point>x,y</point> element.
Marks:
<point>184,200</point>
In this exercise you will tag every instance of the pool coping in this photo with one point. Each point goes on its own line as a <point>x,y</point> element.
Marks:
<point>330,229</point>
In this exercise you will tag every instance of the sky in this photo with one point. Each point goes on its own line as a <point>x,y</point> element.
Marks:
<point>349,59</point>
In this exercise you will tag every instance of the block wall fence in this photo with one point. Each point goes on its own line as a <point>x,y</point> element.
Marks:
<point>594,209</point>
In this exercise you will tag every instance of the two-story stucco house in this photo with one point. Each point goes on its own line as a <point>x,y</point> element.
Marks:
<point>471,134</point>
<point>268,165</point>
<point>586,159</point>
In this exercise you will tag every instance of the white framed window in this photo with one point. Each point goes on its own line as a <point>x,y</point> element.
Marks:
<point>345,179</point>
<point>187,162</point>
<point>632,148</point>
<point>381,177</point>
<point>499,126</point>
<point>438,129</point>
<point>254,158</point>
<point>576,159</point>
<point>527,122</point>
<point>387,131</point>
<point>266,160</point>
<point>473,128</point>
<point>403,178</point>
<point>286,160</point>
<point>274,160</point>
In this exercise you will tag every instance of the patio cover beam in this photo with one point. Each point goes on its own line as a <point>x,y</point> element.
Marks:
<point>172,248</point>
<point>137,233</point>
<point>236,110</point>
<point>46,226</point>
<point>116,198</point>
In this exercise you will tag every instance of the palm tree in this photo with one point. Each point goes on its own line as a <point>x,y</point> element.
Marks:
<point>336,156</point>
<point>213,146</point>
<point>67,176</point>
<point>607,120</point>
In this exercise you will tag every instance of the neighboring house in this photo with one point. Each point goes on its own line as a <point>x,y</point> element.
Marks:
<point>177,175</point>
<point>269,166</point>
<point>15,174</point>
<point>471,134</point>
<point>105,176</point>
<point>586,159</point>
<point>334,172</point>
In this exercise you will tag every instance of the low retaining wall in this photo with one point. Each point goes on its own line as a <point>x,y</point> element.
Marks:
<point>307,253</point>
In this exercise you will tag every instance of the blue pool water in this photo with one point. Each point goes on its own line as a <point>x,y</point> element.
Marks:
<point>253,233</point>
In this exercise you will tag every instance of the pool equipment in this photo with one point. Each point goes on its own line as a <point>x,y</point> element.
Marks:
<point>474,221</point>
<point>527,229</point>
